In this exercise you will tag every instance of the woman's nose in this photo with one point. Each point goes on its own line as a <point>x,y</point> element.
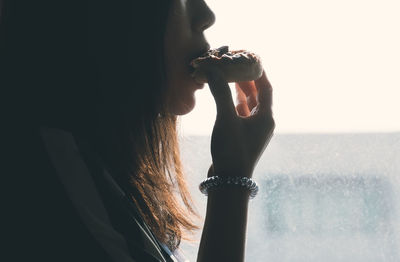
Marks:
<point>204,17</point>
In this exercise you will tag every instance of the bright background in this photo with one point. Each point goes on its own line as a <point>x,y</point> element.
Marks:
<point>334,64</point>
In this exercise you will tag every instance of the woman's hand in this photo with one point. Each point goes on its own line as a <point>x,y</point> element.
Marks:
<point>240,134</point>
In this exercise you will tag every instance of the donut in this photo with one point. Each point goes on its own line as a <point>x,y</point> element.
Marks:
<point>240,65</point>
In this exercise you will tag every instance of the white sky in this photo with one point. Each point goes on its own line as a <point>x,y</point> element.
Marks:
<point>334,64</point>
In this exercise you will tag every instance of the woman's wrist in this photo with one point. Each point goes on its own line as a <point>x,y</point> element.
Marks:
<point>231,172</point>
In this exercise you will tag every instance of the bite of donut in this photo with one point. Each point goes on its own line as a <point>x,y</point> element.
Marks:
<point>237,66</point>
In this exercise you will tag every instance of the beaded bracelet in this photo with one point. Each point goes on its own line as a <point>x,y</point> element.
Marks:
<point>216,181</point>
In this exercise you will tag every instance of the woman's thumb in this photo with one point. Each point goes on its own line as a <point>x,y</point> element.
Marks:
<point>221,92</point>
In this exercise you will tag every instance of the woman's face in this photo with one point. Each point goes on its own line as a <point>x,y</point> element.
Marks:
<point>184,41</point>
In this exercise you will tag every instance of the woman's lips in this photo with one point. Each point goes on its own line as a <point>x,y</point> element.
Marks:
<point>199,53</point>
<point>193,56</point>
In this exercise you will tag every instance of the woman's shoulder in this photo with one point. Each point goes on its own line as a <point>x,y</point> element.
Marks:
<point>43,223</point>
<point>94,195</point>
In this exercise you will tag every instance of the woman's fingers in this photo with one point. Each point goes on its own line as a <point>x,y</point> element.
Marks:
<point>241,99</point>
<point>264,89</point>
<point>248,87</point>
<point>250,90</point>
<point>249,95</point>
<point>221,93</point>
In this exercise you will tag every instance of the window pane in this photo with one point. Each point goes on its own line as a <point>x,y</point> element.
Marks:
<point>322,197</point>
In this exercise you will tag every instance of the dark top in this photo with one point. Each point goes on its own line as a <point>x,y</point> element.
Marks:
<point>45,225</point>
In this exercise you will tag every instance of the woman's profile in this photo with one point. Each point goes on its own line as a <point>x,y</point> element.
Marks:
<point>94,90</point>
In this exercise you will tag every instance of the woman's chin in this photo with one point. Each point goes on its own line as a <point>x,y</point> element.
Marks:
<point>183,106</point>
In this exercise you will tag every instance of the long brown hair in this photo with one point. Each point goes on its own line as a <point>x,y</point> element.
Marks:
<point>154,177</point>
<point>138,138</point>
<point>97,68</point>
<point>144,158</point>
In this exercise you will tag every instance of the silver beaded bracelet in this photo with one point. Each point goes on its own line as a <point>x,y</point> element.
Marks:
<point>217,181</point>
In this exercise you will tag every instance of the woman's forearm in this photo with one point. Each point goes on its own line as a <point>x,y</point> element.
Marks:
<point>224,233</point>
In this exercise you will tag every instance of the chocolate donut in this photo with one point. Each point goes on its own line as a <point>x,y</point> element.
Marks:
<point>236,66</point>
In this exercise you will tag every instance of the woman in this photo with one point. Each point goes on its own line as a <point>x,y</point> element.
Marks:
<point>99,86</point>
